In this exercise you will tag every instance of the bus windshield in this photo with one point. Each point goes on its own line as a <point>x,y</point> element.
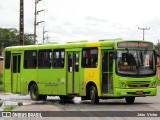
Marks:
<point>136,62</point>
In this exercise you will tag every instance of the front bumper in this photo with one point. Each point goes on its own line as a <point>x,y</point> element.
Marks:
<point>119,92</point>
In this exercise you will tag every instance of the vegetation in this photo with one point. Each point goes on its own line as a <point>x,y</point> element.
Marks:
<point>8,108</point>
<point>10,37</point>
<point>157,48</point>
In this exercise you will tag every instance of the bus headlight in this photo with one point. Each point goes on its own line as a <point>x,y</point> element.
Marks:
<point>123,85</point>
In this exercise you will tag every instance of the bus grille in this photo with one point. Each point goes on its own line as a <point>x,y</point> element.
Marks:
<point>138,85</point>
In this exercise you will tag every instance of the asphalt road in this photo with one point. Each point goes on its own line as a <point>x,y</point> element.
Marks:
<point>142,104</point>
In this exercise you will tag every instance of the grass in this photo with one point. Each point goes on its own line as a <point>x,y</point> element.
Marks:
<point>8,108</point>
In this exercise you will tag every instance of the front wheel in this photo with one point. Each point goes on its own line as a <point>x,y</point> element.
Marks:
<point>130,100</point>
<point>34,94</point>
<point>94,95</point>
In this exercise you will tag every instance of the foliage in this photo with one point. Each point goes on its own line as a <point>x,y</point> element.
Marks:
<point>10,37</point>
<point>157,48</point>
<point>8,108</point>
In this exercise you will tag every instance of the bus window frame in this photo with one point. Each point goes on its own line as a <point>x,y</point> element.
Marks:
<point>7,64</point>
<point>62,59</point>
<point>44,50</point>
<point>140,76</point>
<point>82,59</point>
<point>35,60</point>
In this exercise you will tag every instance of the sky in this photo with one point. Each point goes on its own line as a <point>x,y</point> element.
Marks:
<point>92,20</point>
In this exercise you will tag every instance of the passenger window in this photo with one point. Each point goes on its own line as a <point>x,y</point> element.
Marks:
<point>44,58</point>
<point>90,57</point>
<point>7,59</point>
<point>58,58</point>
<point>30,59</point>
<point>76,62</point>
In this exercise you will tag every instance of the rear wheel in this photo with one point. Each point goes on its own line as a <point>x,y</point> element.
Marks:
<point>94,95</point>
<point>34,94</point>
<point>130,100</point>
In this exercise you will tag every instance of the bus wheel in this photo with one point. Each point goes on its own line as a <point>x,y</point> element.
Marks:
<point>94,95</point>
<point>130,100</point>
<point>34,92</point>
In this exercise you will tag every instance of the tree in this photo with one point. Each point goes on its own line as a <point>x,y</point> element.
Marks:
<point>157,48</point>
<point>10,37</point>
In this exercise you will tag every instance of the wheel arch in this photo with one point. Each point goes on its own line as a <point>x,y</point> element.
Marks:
<point>30,84</point>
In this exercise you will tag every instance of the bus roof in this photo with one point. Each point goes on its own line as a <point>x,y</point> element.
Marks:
<point>76,44</point>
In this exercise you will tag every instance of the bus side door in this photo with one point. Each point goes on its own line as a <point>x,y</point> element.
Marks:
<point>16,73</point>
<point>107,71</point>
<point>72,73</point>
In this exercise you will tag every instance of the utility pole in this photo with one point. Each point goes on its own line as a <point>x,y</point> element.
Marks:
<point>44,34</point>
<point>47,39</point>
<point>21,23</point>
<point>35,19</point>
<point>144,30</point>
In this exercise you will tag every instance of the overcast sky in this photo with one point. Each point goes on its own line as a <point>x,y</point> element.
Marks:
<point>74,20</point>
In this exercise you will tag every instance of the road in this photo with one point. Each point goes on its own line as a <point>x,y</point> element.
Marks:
<point>23,103</point>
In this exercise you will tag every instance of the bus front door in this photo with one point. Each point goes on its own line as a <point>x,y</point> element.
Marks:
<point>16,65</point>
<point>107,72</point>
<point>72,73</point>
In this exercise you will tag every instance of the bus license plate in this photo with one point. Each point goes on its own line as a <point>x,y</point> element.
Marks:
<point>139,92</point>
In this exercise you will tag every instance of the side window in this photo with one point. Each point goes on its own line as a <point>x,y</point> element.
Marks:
<point>70,58</point>
<point>44,58</point>
<point>90,57</point>
<point>30,59</point>
<point>76,58</point>
<point>7,59</point>
<point>14,64</point>
<point>58,58</point>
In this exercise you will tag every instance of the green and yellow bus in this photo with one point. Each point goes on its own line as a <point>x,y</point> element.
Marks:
<point>106,69</point>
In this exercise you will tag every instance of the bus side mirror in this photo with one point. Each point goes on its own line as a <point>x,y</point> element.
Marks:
<point>114,54</point>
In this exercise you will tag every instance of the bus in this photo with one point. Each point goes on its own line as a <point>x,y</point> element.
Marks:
<point>105,69</point>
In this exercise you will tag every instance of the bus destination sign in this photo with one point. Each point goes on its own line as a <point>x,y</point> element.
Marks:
<point>135,45</point>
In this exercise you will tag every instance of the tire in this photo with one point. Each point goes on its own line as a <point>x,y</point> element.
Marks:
<point>94,95</point>
<point>34,94</point>
<point>130,100</point>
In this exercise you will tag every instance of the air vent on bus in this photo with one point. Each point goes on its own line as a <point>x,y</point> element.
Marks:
<point>138,85</point>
